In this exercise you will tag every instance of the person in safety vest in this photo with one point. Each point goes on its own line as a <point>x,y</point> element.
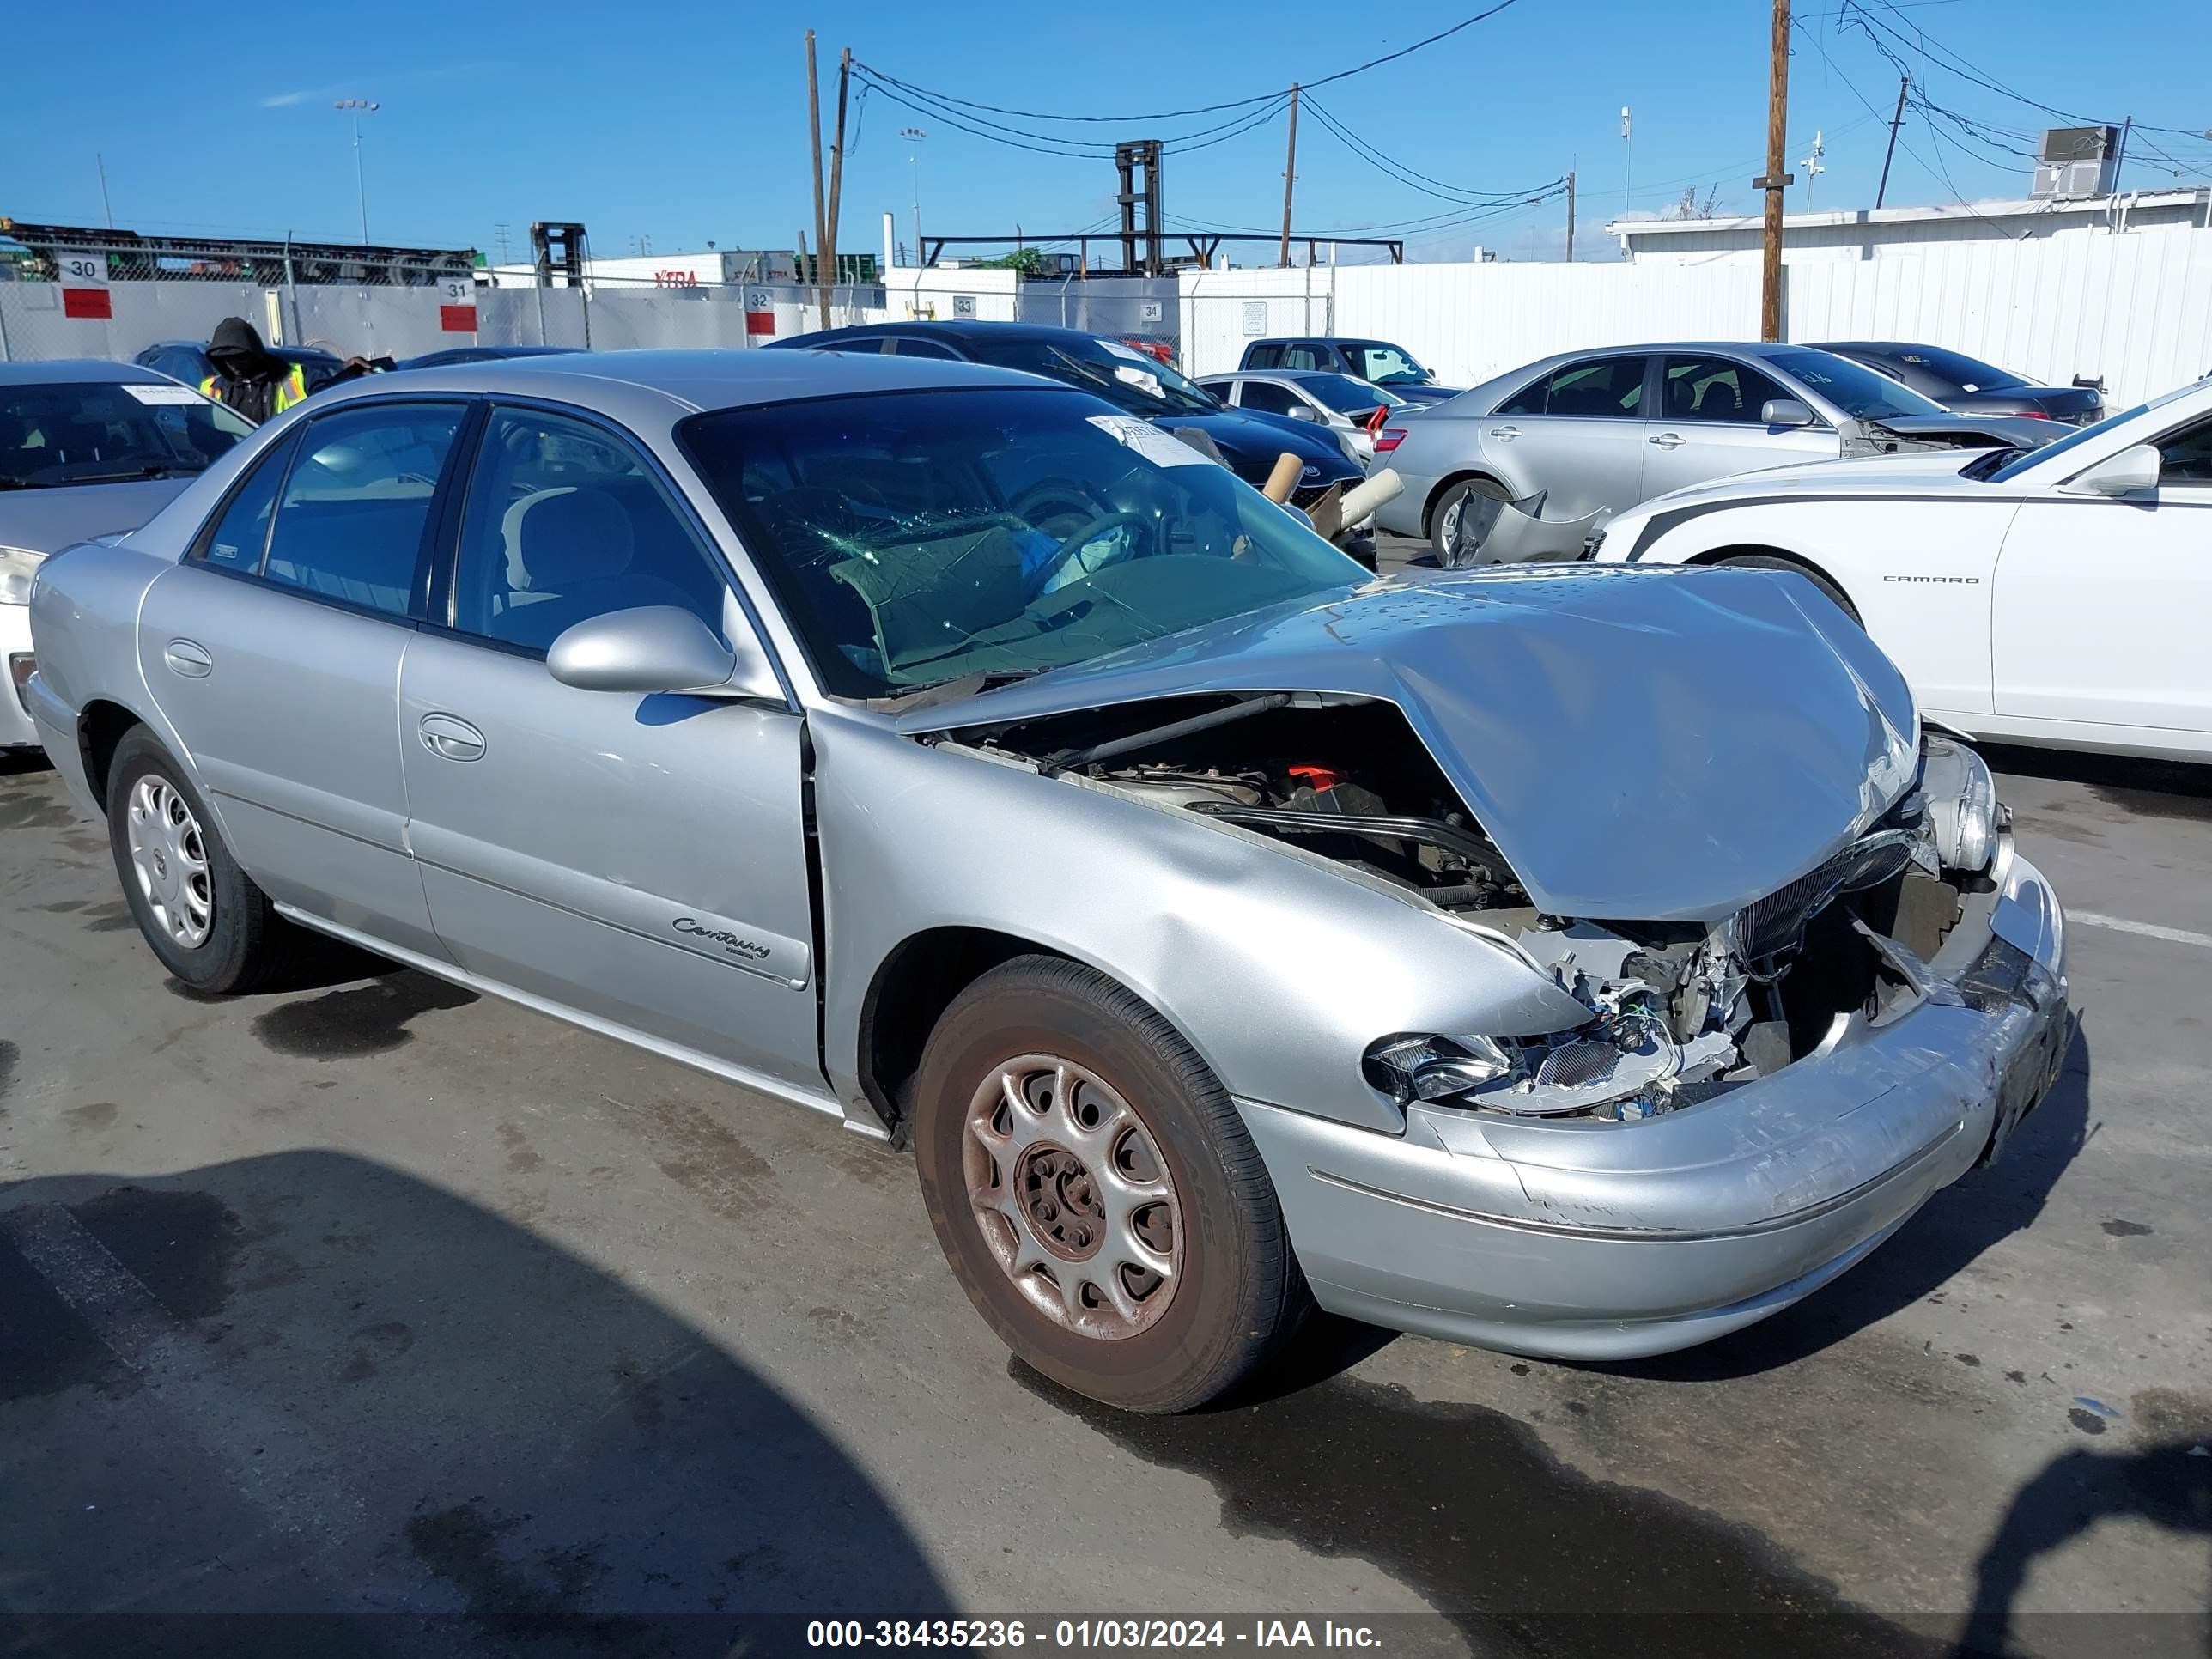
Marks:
<point>248,377</point>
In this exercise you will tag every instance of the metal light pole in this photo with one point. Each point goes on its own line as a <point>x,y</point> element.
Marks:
<point>358,107</point>
<point>914,135</point>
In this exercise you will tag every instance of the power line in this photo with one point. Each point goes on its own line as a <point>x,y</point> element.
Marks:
<point>1198,109</point>
<point>1458,194</point>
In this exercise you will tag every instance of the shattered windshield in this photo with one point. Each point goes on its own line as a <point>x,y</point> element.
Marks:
<point>84,432</point>
<point>1125,378</point>
<point>913,538</point>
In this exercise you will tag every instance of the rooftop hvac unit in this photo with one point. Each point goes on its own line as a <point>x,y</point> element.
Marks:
<point>2076,161</point>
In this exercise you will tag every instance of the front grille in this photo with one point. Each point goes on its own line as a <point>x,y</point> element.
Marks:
<point>1775,923</point>
<point>1305,495</point>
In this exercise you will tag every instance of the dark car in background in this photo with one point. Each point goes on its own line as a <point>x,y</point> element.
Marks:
<point>1249,443</point>
<point>1378,360</point>
<point>452,356</point>
<point>1966,386</point>
<point>186,360</point>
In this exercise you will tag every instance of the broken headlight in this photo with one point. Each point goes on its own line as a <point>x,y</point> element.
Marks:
<point>1962,803</point>
<point>1410,1067</point>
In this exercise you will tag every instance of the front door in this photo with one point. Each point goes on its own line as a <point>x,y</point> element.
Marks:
<point>274,647</point>
<point>1706,425</point>
<point>2103,607</point>
<point>640,860</point>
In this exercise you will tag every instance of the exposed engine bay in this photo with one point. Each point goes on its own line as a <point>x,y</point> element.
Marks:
<point>1679,1011</point>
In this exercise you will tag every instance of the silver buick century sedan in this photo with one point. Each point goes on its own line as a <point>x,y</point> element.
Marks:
<point>1583,962</point>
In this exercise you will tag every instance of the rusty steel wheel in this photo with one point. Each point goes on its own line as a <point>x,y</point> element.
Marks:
<point>1096,1193</point>
<point>1072,1196</point>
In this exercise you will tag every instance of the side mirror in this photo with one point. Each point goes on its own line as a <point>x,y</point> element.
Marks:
<point>659,647</point>
<point>1785,411</point>
<point>2131,472</point>
<point>1304,412</point>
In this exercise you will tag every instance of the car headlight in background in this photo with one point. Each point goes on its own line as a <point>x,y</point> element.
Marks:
<point>1962,803</point>
<point>17,566</point>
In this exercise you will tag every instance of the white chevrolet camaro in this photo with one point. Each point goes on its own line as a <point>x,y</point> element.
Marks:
<point>2062,596</point>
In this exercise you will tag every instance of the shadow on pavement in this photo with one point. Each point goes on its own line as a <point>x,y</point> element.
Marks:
<point>1949,1234</point>
<point>308,1385</point>
<point>2153,788</point>
<point>2169,1485</point>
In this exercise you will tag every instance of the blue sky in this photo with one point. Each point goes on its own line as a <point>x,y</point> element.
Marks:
<point>685,121</point>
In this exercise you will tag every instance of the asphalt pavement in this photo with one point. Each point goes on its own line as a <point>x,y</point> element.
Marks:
<point>376,1296</point>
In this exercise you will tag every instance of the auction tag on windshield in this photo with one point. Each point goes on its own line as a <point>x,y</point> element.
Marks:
<point>1161,449</point>
<point>162,394</point>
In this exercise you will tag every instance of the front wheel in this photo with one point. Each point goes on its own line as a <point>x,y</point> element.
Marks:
<point>1776,561</point>
<point>1097,1195</point>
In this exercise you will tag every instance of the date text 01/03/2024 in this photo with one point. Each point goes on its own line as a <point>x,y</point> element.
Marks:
<point>1087,1633</point>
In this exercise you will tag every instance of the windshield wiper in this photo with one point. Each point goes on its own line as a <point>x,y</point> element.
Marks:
<point>22,483</point>
<point>158,470</point>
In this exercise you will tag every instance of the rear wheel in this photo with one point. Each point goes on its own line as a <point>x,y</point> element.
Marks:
<point>1777,561</point>
<point>204,918</point>
<point>1096,1193</point>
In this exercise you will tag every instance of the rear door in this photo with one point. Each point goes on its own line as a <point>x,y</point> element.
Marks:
<point>275,649</point>
<point>637,860</point>
<point>1577,434</point>
<point>1706,424</point>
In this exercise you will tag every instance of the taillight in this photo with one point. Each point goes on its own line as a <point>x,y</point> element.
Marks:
<point>2036,414</point>
<point>1388,439</point>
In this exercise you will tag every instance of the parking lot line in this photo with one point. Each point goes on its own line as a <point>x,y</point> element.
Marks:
<point>2147,929</point>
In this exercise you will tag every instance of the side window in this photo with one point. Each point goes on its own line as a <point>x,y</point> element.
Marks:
<point>240,536</point>
<point>905,346</point>
<point>1224,390</point>
<point>1529,400</point>
<point>1715,389</point>
<point>565,522</point>
<point>1305,356</point>
<point>865,342</point>
<point>1270,399</point>
<point>2185,458</point>
<point>1263,356</point>
<point>1597,389</point>
<point>355,513</point>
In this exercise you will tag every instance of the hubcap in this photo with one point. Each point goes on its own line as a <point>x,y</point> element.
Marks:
<point>1072,1196</point>
<point>169,857</point>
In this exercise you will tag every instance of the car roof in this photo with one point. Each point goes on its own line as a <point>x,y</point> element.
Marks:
<point>678,383</point>
<point>948,333</point>
<point>289,352</point>
<point>79,371</point>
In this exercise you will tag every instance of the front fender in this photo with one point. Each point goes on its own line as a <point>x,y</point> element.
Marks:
<point>1279,968</point>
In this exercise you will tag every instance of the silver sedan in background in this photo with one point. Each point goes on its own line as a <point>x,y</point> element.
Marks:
<point>86,448</point>
<point>1346,406</point>
<point>1573,439</point>
<point>1219,926</point>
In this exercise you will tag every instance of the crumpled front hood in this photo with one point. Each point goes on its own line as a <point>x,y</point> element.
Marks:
<point>1642,744</point>
<point>47,520</point>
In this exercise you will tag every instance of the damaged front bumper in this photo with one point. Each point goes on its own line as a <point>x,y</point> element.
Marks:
<point>1597,1241</point>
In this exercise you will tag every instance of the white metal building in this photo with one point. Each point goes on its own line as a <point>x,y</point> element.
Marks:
<point>1871,233</point>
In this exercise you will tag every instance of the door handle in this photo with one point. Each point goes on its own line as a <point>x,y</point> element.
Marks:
<point>188,658</point>
<point>1668,440</point>
<point>1507,433</point>
<point>452,739</point>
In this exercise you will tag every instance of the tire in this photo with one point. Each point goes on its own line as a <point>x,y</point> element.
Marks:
<point>1776,561</point>
<point>1447,511</point>
<point>242,943</point>
<point>1235,1296</point>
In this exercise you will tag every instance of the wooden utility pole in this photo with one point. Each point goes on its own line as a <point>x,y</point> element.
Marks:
<point>1882,189</point>
<point>1290,178</point>
<point>821,210</point>
<point>836,175</point>
<point>1774,181</point>
<point>1571,216</point>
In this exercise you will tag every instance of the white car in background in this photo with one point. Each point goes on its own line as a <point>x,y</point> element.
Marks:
<point>2060,596</point>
